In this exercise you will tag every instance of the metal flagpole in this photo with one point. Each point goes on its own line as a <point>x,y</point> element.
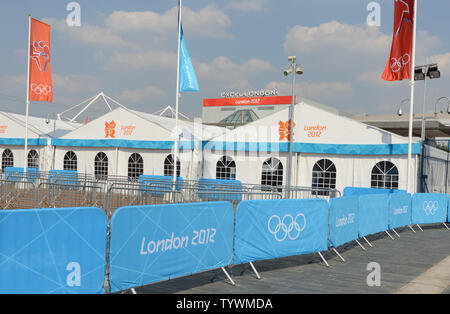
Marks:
<point>411,107</point>
<point>28,98</point>
<point>175,155</point>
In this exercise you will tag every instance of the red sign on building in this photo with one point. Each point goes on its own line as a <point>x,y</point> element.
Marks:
<point>250,101</point>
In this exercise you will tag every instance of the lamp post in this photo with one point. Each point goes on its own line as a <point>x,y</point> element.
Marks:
<point>47,121</point>
<point>295,70</point>
<point>448,141</point>
<point>421,72</point>
<point>400,111</point>
<point>439,99</point>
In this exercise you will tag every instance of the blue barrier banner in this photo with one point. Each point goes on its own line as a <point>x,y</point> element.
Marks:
<point>373,214</point>
<point>45,251</point>
<point>215,189</point>
<point>352,191</point>
<point>399,210</point>
<point>160,242</point>
<point>16,174</point>
<point>448,208</point>
<point>268,229</point>
<point>63,177</point>
<point>429,208</point>
<point>343,220</point>
<point>159,185</point>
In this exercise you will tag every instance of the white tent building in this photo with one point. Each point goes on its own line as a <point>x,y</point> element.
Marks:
<point>330,150</point>
<point>129,143</point>
<point>40,133</point>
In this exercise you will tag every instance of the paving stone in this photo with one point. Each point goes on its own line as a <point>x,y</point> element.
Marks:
<point>401,261</point>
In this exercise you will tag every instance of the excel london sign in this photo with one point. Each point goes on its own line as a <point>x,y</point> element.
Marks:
<point>261,93</point>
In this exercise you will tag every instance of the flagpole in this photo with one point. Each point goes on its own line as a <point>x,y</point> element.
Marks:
<point>28,98</point>
<point>175,157</point>
<point>411,108</point>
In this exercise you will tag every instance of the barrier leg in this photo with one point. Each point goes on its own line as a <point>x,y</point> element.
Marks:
<point>228,276</point>
<point>446,226</point>
<point>396,233</point>
<point>367,242</point>
<point>360,245</point>
<point>337,253</point>
<point>389,235</point>
<point>412,229</point>
<point>419,228</point>
<point>323,259</point>
<point>254,270</point>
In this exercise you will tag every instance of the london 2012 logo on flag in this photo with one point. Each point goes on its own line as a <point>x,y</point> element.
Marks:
<point>40,54</point>
<point>398,66</point>
<point>405,17</point>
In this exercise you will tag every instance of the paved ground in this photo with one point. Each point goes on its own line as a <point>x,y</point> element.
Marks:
<point>401,261</point>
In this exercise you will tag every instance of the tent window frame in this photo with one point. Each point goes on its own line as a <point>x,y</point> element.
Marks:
<point>272,173</point>
<point>7,159</point>
<point>384,175</point>
<point>101,164</point>
<point>226,168</point>
<point>33,159</point>
<point>324,175</point>
<point>70,162</point>
<point>168,166</point>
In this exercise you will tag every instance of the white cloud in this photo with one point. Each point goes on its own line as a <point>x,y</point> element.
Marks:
<point>140,95</point>
<point>87,34</point>
<point>74,83</point>
<point>331,36</point>
<point>225,74</point>
<point>140,60</point>
<point>248,5</point>
<point>322,91</point>
<point>208,21</point>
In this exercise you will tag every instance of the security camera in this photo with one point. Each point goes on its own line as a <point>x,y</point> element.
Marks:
<point>292,58</point>
<point>299,71</point>
<point>288,71</point>
<point>47,121</point>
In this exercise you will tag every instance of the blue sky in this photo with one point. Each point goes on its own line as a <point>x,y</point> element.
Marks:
<point>128,50</point>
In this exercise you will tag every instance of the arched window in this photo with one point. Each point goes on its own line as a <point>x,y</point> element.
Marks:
<point>168,166</point>
<point>323,177</point>
<point>272,172</point>
<point>7,159</point>
<point>135,167</point>
<point>226,169</point>
<point>101,166</point>
<point>33,159</point>
<point>70,161</point>
<point>384,176</point>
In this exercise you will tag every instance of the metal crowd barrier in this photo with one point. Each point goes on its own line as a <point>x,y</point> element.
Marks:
<point>39,191</point>
<point>53,195</point>
<point>17,194</point>
<point>131,194</point>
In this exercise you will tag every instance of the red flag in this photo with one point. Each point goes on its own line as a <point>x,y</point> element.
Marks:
<point>40,88</point>
<point>398,66</point>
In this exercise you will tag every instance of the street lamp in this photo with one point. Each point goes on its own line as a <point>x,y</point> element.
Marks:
<point>421,72</point>
<point>296,70</point>
<point>448,108</point>
<point>400,111</point>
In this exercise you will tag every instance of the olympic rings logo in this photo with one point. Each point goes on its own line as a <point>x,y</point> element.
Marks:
<point>288,227</point>
<point>41,89</point>
<point>430,207</point>
<point>399,63</point>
